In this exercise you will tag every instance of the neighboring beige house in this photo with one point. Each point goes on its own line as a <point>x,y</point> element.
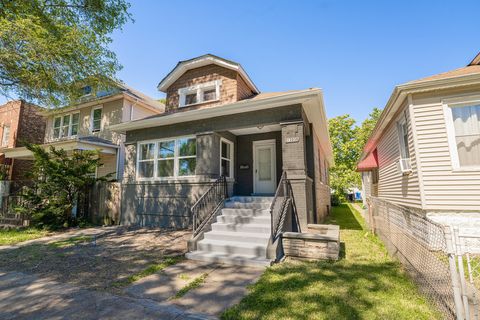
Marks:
<point>424,152</point>
<point>86,126</point>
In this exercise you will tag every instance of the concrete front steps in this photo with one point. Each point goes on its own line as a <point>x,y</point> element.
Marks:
<point>240,235</point>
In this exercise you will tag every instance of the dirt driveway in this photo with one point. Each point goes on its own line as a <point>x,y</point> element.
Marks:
<point>100,263</point>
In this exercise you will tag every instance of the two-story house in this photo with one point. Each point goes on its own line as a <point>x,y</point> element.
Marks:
<point>217,123</point>
<point>20,121</point>
<point>424,152</point>
<point>86,126</point>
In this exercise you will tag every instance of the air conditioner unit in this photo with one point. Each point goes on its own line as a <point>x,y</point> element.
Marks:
<point>405,166</point>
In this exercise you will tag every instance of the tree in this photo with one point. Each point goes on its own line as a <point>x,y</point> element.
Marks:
<point>348,141</point>
<point>60,179</point>
<point>51,49</point>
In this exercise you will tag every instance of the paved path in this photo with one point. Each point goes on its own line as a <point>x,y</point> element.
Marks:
<point>92,232</point>
<point>224,285</point>
<point>25,296</point>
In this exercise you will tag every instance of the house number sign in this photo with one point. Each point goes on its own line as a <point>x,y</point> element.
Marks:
<point>292,139</point>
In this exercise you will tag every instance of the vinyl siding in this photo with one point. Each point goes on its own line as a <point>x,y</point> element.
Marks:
<point>392,185</point>
<point>444,188</point>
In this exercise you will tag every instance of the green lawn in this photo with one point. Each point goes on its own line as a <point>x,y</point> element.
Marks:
<point>364,284</point>
<point>12,236</point>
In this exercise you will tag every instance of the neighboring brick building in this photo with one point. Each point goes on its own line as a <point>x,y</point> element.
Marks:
<point>20,121</point>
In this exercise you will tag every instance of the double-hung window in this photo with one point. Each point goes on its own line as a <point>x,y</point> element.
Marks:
<point>146,160</point>
<point>226,158</point>
<point>403,137</point>
<point>66,125</point>
<point>200,93</point>
<point>96,123</point>
<point>170,158</point>
<point>466,125</point>
<point>5,136</point>
<point>405,165</point>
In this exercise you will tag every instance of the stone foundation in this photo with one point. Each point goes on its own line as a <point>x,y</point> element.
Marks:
<point>322,242</point>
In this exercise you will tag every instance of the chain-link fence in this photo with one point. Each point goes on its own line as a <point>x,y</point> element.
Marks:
<point>467,252</point>
<point>420,245</point>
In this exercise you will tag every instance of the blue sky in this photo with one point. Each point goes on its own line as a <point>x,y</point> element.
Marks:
<point>356,51</point>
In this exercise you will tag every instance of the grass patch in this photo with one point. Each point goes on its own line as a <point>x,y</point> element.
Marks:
<point>151,269</point>
<point>195,283</point>
<point>71,242</point>
<point>13,236</point>
<point>364,284</point>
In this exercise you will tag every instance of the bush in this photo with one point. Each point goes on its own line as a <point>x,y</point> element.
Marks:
<point>60,183</point>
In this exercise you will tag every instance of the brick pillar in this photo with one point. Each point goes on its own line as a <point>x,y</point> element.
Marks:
<point>295,164</point>
<point>208,155</point>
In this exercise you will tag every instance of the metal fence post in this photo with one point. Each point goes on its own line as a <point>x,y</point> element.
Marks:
<point>449,240</point>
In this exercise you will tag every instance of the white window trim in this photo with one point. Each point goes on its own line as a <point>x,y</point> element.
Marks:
<point>448,104</point>
<point>231,160</point>
<point>156,159</point>
<point>91,119</point>
<point>5,143</point>
<point>198,89</point>
<point>401,134</point>
<point>69,134</point>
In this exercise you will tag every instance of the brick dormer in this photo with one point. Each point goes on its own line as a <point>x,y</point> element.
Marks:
<point>206,81</point>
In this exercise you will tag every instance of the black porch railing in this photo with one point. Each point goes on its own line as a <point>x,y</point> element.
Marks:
<point>208,204</point>
<point>282,202</point>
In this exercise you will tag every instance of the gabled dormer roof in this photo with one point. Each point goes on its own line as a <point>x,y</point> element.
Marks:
<point>184,66</point>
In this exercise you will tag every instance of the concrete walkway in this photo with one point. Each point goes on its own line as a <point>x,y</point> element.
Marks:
<point>25,296</point>
<point>223,286</point>
<point>89,232</point>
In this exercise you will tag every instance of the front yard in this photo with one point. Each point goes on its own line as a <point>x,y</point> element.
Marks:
<point>364,284</point>
<point>110,262</point>
<point>13,236</point>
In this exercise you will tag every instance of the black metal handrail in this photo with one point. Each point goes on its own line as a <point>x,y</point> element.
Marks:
<point>282,201</point>
<point>208,204</point>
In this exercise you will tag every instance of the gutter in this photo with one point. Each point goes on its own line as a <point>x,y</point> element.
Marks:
<point>399,94</point>
<point>234,108</point>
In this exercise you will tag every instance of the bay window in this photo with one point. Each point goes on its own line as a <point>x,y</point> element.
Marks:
<point>170,158</point>
<point>146,160</point>
<point>66,125</point>
<point>466,125</point>
<point>226,158</point>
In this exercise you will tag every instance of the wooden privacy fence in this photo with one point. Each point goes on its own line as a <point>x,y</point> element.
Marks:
<point>105,199</point>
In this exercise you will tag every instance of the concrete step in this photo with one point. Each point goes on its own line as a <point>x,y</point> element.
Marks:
<point>264,219</point>
<point>235,227</point>
<point>247,205</point>
<point>245,212</point>
<point>232,247</point>
<point>251,199</point>
<point>238,236</point>
<point>234,259</point>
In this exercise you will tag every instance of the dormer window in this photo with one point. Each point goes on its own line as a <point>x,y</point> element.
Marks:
<point>200,93</point>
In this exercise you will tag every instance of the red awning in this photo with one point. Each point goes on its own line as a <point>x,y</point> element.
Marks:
<point>369,163</point>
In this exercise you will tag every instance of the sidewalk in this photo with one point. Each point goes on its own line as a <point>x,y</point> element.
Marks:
<point>25,297</point>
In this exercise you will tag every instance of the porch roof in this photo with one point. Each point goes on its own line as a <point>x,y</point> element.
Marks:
<point>311,100</point>
<point>369,163</point>
<point>77,143</point>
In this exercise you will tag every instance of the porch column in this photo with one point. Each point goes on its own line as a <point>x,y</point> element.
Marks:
<point>208,155</point>
<point>295,165</point>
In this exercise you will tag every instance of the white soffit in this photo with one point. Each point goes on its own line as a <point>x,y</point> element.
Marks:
<point>184,66</point>
<point>254,130</point>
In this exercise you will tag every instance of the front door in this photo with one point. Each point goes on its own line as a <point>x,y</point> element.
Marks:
<point>264,167</point>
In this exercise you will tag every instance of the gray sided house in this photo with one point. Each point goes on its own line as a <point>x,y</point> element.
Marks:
<point>217,123</point>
